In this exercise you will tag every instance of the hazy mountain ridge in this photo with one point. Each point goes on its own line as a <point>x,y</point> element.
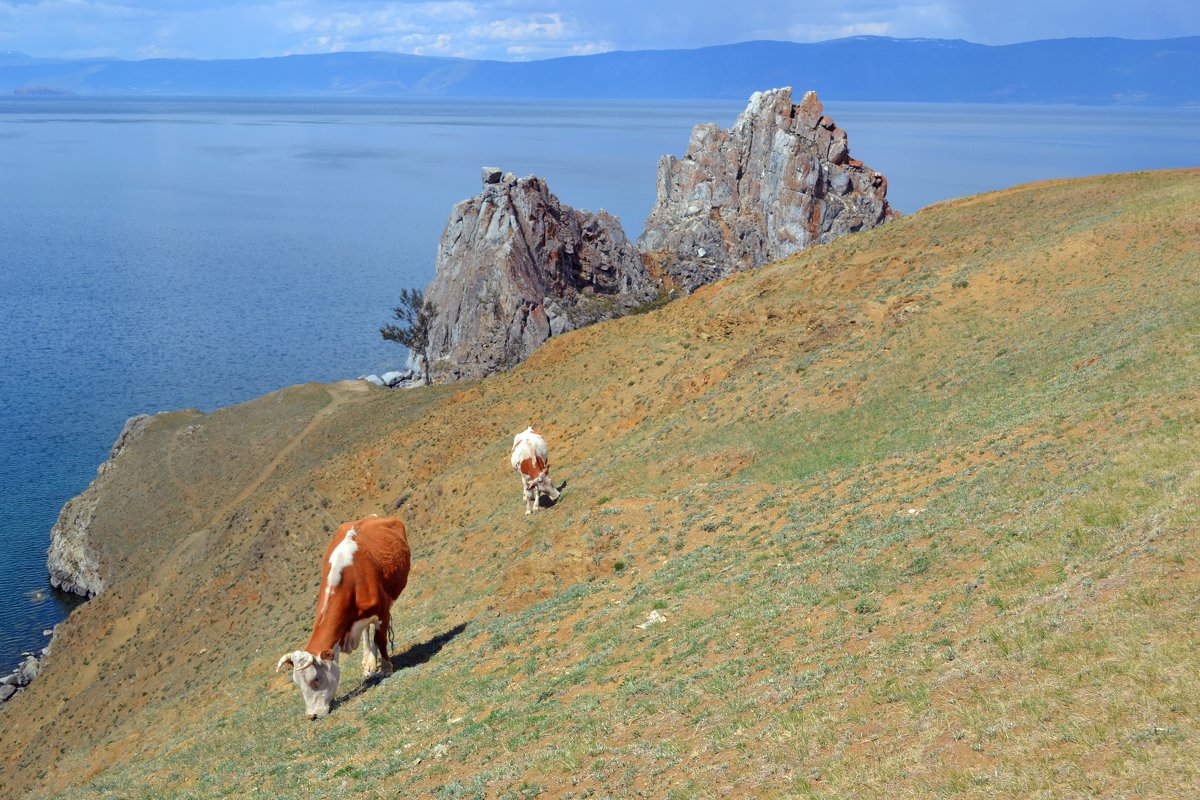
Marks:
<point>1080,71</point>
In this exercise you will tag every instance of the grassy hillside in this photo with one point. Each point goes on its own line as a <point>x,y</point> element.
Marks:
<point>919,509</point>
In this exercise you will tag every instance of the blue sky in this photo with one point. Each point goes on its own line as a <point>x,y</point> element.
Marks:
<point>530,29</point>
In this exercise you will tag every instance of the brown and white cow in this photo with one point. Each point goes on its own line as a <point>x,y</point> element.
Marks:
<point>529,458</point>
<point>364,571</point>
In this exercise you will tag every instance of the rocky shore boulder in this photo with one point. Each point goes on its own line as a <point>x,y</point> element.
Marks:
<point>780,180</point>
<point>515,267</point>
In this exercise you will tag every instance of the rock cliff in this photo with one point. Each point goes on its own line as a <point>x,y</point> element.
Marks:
<point>515,267</point>
<point>780,180</point>
<point>72,560</point>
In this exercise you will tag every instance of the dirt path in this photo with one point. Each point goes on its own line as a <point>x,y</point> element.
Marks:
<point>339,394</point>
<point>185,488</point>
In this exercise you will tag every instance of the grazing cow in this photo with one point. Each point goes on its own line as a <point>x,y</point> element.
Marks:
<point>365,569</point>
<point>530,459</point>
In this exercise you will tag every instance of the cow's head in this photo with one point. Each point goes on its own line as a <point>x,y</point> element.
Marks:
<point>317,677</point>
<point>541,485</point>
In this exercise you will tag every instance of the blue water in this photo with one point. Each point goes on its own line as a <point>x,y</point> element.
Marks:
<point>163,254</point>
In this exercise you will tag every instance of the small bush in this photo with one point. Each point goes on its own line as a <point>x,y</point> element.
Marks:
<point>866,605</point>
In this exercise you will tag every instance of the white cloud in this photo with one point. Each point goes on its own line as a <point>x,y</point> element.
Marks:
<point>450,12</point>
<point>440,45</point>
<point>538,27</point>
<point>591,48</point>
<point>419,28</point>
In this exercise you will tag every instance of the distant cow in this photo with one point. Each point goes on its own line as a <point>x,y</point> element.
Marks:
<point>529,458</point>
<point>364,571</point>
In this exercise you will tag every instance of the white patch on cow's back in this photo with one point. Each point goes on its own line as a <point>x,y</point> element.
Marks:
<point>528,444</point>
<point>341,557</point>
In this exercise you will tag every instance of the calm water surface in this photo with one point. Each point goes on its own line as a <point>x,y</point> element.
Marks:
<point>164,254</point>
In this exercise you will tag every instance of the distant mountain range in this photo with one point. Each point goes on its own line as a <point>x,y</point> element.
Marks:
<point>1096,71</point>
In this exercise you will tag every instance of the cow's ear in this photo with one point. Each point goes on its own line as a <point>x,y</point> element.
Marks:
<point>326,655</point>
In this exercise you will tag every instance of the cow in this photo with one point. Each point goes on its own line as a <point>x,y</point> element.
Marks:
<point>530,459</point>
<point>364,571</point>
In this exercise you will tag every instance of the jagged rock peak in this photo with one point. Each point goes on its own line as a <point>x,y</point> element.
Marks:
<point>780,180</point>
<point>515,267</point>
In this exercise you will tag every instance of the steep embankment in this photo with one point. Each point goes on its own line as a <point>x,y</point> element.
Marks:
<point>918,507</point>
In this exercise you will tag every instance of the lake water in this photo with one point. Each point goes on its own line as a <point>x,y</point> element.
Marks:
<point>164,254</point>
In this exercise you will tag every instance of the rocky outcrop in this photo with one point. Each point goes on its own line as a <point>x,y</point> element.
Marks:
<point>515,267</point>
<point>779,181</point>
<point>24,674</point>
<point>72,560</point>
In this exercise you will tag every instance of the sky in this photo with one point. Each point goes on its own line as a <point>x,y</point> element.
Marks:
<point>518,30</point>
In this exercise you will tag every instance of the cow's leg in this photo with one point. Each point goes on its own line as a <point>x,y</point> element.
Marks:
<point>370,643</point>
<point>381,645</point>
<point>525,493</point>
